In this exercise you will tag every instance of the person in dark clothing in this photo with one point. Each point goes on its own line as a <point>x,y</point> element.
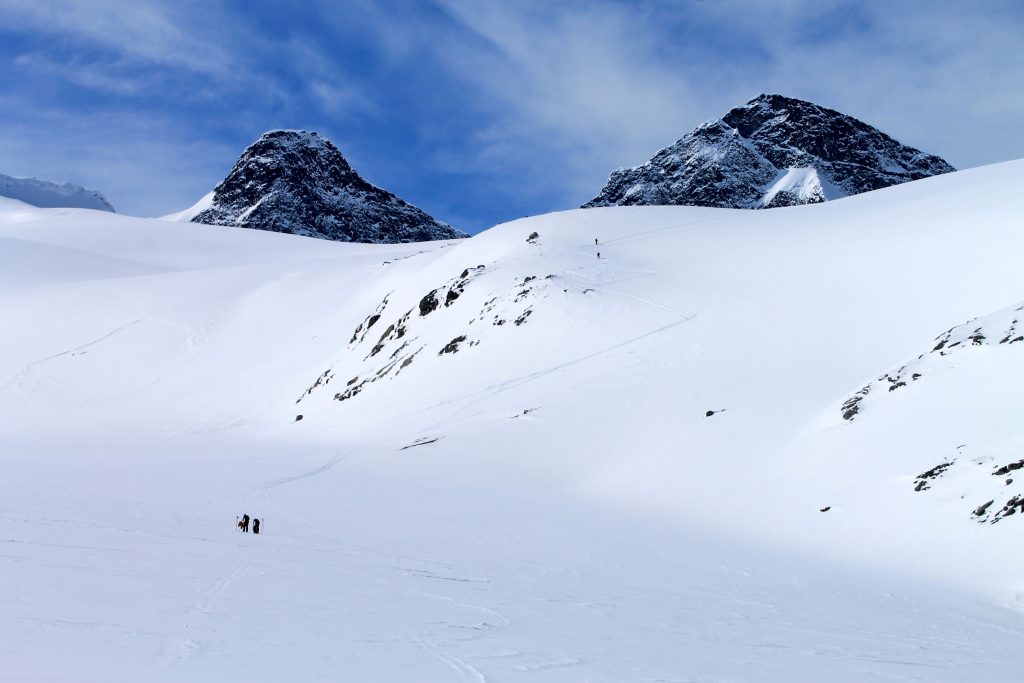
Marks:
<point>595,241</point>
<point>255,526</point>
<point>244,525</point>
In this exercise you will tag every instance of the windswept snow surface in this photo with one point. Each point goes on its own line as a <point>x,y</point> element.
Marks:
<point>804,185</point>
<point>47,194</point>
<point>191,212</point>
<point>505,469</point>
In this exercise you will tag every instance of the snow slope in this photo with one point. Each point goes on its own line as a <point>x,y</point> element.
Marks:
<point>47,194</point>
<point>505,467</point>
<point>804,185</point>
<point>186,215</point>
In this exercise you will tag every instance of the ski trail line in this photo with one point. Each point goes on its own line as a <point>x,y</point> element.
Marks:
<point>634,236</point>
<point>684,316</point>
<point>501,387</point>
<point>204,603</point>
<point>266,487</point>
<point>86,345</point>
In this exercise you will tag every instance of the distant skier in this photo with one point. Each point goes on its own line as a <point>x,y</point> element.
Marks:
<point>598,254</point>
<point>595,241</point>
<point>244,524</point>
<point>255,526</point>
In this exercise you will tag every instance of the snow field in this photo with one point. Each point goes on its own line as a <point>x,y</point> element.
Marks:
<point>549,501</point>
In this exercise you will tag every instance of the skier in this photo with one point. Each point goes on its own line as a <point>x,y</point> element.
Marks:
<point>595,241</point>
<point>255,526</point>
<point>598,254</point>
<point>244,524</point>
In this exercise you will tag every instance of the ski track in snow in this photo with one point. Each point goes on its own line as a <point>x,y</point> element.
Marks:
<point>266,487</point>
<point>270,485</point>
<point>495,389</point>
<point>204,604</point>
<point>28,367</point>
<point>685,316</point>
<point>428,640</point>
<point>647,234</point>
<point>465,670</point>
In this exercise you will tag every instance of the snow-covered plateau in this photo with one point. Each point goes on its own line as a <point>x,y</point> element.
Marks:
<point>47,194</point>
<point>740,446</point>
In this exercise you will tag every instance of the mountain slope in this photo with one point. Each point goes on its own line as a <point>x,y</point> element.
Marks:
<point>516,461</point>
<point>773,151</point>
<point>297,182</point>
<point>49,195</point>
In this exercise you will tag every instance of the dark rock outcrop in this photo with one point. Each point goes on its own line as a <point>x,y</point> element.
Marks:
<point>298,182</point>
<point>773,151</point>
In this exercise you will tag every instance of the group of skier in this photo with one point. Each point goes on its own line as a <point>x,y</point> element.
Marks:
<point>243,524</point>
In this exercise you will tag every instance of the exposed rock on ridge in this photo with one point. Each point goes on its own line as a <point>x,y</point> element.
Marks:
<point>773,151</point>
<point>298,182</point>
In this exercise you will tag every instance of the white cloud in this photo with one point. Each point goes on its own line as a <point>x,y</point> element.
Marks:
<point>573,91</point>
<point>580,88</point>
<point>102,76</point>
<point>144,165</point>
<point>546,98</point>
<point>949,79</point>
<point>167,34</point>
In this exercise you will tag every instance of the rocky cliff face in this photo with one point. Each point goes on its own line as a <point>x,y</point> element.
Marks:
<point>772,151</point>
<point>298,182</point>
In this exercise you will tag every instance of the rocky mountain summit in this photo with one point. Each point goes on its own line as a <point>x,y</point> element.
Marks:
<point>50,195</point>
<point>298,182</point>
<point>773,151</point>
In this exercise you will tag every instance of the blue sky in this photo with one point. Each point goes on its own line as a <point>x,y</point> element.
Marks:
<point>478,111</point>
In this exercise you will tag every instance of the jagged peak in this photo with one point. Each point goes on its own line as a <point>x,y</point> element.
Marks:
<point>299,182</point>
<point>737,160</point>
<point>310,137</point>
<point>294,140</point>
<point>291,132</point>
<point>777,100</point>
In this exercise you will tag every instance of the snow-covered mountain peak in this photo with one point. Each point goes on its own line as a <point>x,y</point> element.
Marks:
<point>289,149</point>
<point>298,182</point>
<point>761,154</point>
<point>50,195</point>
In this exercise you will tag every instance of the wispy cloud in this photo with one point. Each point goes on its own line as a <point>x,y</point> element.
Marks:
<point>146,166</point>
<point>582,83</point>
<point>478,109</point>
<point>103,76</point>
<point>169,34</point>
<point>949,80</point>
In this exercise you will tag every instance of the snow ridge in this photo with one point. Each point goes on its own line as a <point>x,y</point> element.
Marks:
<point>298,182</point>
<point>50,195</point>
<point>773,151</point>
<point>1002,327</point>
